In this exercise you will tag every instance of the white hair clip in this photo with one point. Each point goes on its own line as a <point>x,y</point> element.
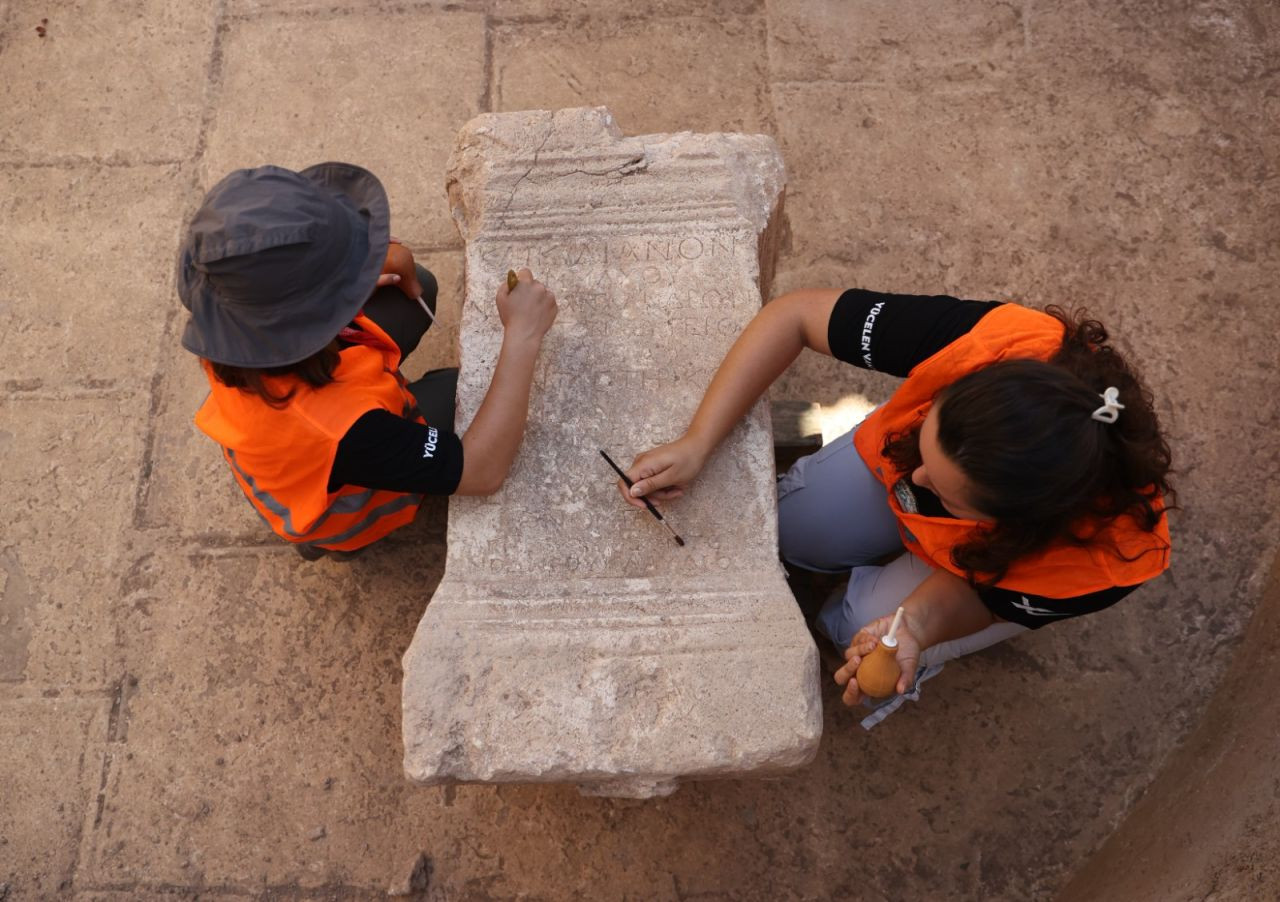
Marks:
<point>1109,412</point>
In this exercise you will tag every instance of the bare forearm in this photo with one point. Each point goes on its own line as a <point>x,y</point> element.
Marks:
<point>491,441</point>
<point>942,608</point>
<point>945,607</point>
<point>769,344</point>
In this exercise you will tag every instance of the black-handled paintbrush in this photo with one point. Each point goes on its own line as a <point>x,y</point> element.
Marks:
<point>647,503</point>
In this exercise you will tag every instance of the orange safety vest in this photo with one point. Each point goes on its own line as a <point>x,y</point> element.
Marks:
<point>282,457</point>
<point>1061,570</point>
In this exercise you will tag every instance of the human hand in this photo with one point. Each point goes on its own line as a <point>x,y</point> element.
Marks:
<point>399,269</point>
<point>663,473</point>
<point>862,645</point>
<point>528,310</point>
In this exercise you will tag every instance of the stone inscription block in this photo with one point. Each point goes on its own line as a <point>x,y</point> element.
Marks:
<point>571,639</point>
<point>50,767</point>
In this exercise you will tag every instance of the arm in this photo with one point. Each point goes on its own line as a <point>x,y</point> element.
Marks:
<point>772,340</point>
<point>941,608</point>
<point>491,441</point>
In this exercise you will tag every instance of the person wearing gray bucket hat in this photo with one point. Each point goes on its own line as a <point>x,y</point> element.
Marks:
<point>276,262</point>
<point>298,313</point>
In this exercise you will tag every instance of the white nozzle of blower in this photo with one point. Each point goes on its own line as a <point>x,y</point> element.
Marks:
<point>891,640</point>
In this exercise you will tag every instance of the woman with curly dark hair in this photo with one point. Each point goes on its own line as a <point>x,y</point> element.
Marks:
<point>1020,466</point>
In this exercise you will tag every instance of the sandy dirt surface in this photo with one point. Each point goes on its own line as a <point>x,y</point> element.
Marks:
<point>188,710</point>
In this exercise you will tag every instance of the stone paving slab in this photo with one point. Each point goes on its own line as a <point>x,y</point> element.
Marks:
<point>265,695</point>
<point>1203,829</point>
<point>1223,51</point>
<point>655,75</point>
<point>367,8</point>
<point>108,80</point>
<point>50,772</point>
<point>87,276</point>
<point>67,497</point>
<point>915,193</point>
<point>440,346</point>
<point>884,41</point>
<point>1120,202</point>
<point>614,10</point>
<point>333,87</point>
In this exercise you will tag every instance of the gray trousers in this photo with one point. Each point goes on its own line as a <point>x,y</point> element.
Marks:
<point>834,516</point>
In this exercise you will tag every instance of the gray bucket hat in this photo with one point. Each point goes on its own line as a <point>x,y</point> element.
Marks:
<point>276,262</point>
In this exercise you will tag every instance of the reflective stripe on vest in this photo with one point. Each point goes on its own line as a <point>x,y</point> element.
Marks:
<point>343,504</point>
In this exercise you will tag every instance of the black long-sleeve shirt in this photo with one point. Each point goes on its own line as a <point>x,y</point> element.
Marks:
<point>384,451</point>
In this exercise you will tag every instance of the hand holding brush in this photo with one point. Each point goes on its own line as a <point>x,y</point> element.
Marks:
<point>400,262</point>
<point>647,503</point>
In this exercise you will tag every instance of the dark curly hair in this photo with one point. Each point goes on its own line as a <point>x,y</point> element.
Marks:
<point>1038,463</point>
<point>316,371</point>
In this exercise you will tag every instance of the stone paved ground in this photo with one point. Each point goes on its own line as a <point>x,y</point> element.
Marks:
<point>187,710</point>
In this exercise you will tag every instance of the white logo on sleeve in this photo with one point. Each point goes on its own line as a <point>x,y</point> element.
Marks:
<point>1026,606</point>
<point>867,326</point>
<point>429,446</point>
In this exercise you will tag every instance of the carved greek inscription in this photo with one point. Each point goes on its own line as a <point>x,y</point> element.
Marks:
<point>629,299</point>
<point>617,251</point>
<point>569,388</point>
<point>601,284</point>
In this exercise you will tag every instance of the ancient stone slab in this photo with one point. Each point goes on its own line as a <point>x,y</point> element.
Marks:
<point>571,639</point>
<point>339,69</point>
<point>87,276</point>
<point>654,74</point>
<point>50,769</point>
<point>146,62</point>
